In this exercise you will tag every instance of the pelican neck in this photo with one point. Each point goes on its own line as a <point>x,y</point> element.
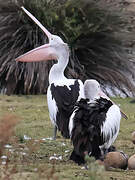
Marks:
<point>57,70</point>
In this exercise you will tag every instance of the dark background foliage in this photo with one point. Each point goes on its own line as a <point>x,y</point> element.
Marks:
<point>94,31</point>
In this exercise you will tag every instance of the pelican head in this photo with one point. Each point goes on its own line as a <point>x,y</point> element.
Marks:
<point>92,89</point>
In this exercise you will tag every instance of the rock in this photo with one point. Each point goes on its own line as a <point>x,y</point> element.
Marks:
<point>116,160</point>
<point>131,162</point>
<point>133,137</point>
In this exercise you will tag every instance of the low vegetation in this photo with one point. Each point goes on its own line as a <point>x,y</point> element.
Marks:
<point>28,152</point>
<point>94,31</point>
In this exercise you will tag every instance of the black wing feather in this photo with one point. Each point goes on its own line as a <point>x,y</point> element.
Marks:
<point>65,100</point>
<point>86,133</point>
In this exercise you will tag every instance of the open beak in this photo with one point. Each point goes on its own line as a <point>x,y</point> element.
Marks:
<point>37,22</point>
<point>44,52</point>
<point>102,94</point>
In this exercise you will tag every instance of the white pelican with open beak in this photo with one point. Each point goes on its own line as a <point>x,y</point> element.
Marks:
<point>62,93</point>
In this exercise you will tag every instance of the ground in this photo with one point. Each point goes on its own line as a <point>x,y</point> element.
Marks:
<point>31,154</point>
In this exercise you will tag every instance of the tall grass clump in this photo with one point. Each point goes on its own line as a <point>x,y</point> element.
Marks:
<point>91,28</point>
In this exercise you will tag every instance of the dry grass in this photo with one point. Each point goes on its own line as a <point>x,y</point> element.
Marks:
<point>28,153</point>
<point>7,125</point>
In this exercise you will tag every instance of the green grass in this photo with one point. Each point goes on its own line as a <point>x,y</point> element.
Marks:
<point>29,159</point>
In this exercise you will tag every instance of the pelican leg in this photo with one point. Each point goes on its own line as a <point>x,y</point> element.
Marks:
<point>86,166</point>
<point>54,132</point>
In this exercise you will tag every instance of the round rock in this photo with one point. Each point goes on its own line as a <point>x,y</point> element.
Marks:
<point>116,160</point>
<point>133,137</point>
<point>131,162</point>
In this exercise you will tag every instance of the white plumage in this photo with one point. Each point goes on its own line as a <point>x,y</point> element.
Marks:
<point>112,123</point>
<point>94,125</point>
<point>62,93</point>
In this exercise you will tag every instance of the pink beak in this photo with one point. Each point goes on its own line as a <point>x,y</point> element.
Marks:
<point>102,94</point>
<point>44,52</point>
<point>37,22</point>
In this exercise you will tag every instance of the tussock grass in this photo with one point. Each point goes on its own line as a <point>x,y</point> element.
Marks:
<point>30,159</point>
<point>94,31</point>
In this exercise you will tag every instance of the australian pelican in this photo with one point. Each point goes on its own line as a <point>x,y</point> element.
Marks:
<point>62,93</point>
<point>94,124</point>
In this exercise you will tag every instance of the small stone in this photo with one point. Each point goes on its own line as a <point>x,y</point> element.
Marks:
<point>3,157</point>
<point>8,146</point>
<point>131,162</point>
<point>3,162</point>
<point>53,158</point>
<point>26,137</point>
